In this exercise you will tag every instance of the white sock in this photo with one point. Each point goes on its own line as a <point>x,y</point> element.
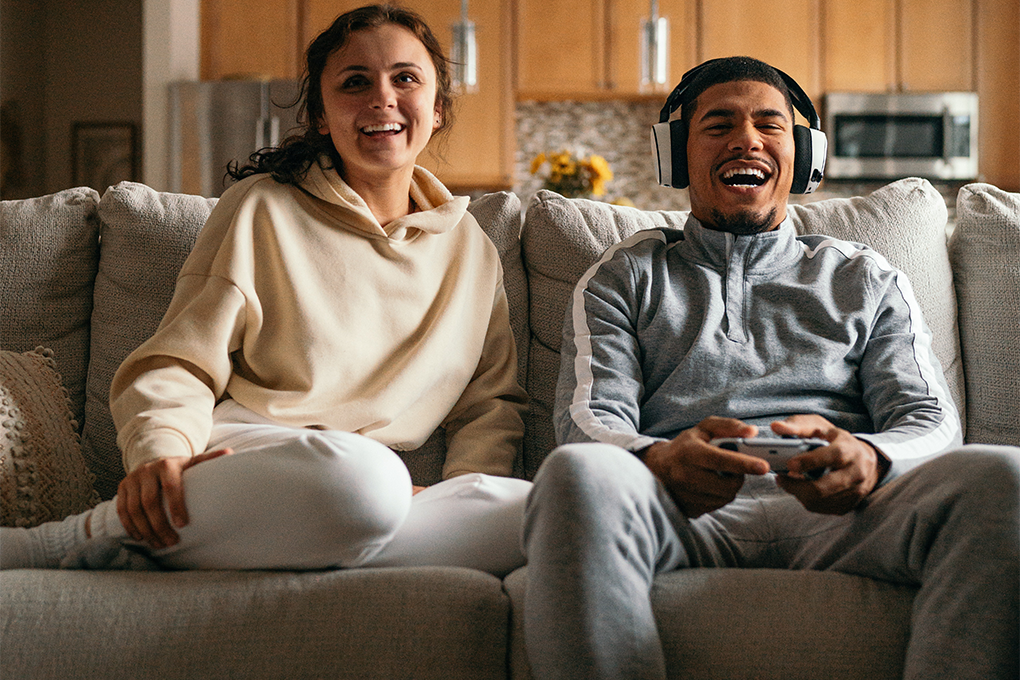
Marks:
<point>44,546</point>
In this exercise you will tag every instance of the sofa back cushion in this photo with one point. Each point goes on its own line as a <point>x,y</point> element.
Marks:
<point>985,248</point>
<point>49,251</point>
<point>146,236</point>
<point>905,221</point>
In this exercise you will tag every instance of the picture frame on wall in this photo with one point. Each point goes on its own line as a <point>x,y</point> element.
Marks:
<point>104,154</point>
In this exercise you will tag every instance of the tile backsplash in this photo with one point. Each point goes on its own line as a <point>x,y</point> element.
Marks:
<point>620,132</point>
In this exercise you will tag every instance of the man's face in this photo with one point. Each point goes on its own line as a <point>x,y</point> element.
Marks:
<point>740,153</point>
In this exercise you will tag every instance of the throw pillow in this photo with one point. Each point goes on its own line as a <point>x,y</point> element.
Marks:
<point>43,476</point>
<point>985,248</point>
<point>49,251</point>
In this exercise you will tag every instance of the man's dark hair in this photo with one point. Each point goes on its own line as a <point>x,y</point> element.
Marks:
<point>727,70</point>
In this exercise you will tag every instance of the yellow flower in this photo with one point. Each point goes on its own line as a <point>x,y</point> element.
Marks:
<point>537,162</point>
<point>600,167</point>
<point>572,176</point>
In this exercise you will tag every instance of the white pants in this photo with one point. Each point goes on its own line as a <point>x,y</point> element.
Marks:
<point>291,498</point>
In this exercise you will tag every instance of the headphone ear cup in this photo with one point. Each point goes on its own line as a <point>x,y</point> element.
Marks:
<point>678,141</point>
<point>801,159</point>
<point>669,148</point>
<point>810,147</point>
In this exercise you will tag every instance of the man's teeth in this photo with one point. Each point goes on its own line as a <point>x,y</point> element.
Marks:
<point>754,172</point>
<point>387,127</point>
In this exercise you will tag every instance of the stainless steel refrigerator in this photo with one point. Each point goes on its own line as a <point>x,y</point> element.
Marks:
<point>214,123</point>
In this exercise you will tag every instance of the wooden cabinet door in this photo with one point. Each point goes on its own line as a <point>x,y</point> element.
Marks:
<point>783,33</point>
<point>561,48</point>
<point>936,38</point>
<point>624,19</point>
<point>250,39</point>
<point>859,52</point>
<point>998,87</point>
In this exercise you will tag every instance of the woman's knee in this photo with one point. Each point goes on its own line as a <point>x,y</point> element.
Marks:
<point>355,481</point>
<point>309,501</point>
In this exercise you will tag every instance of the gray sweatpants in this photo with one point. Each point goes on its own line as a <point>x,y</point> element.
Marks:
<point>599,527</point>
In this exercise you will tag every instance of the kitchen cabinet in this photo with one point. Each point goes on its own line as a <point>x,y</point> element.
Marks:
<point>997,58</point>
<point>590,49</point>
<point>899,45</point>
<point>936,40</point>
<point>783,33</point>
<point>860,55</point>
<point>267,38</point>
<point>249,39</point>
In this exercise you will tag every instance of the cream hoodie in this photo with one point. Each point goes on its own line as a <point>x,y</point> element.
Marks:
<point>296,303</point>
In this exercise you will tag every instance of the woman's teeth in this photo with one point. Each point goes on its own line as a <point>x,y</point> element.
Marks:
<point>386,127</point>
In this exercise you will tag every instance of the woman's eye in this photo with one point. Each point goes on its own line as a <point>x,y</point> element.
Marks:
<point>406,78</point>
<point>353,83</point>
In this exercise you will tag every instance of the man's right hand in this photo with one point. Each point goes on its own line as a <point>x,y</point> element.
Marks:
<point>141,494</point>
<point>689,467</point>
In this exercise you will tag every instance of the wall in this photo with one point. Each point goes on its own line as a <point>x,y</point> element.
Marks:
<point>21,95</point>
<point>67,61</point>
<point>93,73</point>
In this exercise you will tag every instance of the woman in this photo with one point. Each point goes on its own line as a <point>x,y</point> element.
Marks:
<point>339,304</point>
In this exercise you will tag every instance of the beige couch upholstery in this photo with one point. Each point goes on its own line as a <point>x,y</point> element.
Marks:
<point>90,278</point>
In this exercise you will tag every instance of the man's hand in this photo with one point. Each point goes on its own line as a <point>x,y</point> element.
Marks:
<point>141,494</point>
<point>689,467</point>
<point>853,464</point>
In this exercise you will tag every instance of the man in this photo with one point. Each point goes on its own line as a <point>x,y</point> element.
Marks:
<point>733,328</point>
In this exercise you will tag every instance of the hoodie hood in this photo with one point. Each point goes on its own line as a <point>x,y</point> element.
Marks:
<point>438,211</point>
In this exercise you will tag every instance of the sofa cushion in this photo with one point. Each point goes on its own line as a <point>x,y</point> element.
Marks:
<point>427,623</point>
<point>561,238</point>
<point>764,623</point>
<point>147,235</point>
<point>49,251</point>
<point>42,473</point>
<point>906,222</point>
<point>985,248</point>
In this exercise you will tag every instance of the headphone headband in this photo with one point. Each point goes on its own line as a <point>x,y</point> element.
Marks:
<point>801,102</point>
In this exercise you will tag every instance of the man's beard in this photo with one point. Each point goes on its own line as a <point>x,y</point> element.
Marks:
<point>743,223</point>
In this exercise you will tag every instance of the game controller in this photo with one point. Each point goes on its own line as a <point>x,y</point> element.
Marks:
<point>773,450</point>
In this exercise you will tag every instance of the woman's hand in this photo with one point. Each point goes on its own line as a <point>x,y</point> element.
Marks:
<point>141,495</point>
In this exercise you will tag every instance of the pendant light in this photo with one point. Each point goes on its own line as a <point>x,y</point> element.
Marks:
<point>655,51</point>
<point>464,53</point>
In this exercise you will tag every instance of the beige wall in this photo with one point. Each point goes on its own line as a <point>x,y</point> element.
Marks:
<point>22,91</point>
<point>76,60</point>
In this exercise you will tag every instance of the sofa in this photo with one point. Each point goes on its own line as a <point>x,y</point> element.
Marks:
<point>85,278</point>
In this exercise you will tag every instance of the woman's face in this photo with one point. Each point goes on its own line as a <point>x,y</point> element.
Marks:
<point>379,103</point>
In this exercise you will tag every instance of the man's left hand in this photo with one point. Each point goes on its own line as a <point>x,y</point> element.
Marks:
<point>853,466</point>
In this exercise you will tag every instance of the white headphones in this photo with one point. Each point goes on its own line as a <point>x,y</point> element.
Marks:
<point>669,138</point>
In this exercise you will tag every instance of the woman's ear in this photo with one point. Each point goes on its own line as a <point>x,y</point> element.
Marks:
<point>437,120</point>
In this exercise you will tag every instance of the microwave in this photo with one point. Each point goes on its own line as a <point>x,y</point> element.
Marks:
<point>889,136</point>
